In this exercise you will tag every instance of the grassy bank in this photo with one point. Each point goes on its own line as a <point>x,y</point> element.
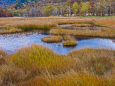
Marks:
<point>30,27</point>
<point>36,65</point>
<point>105,33</point>
<point>39,66</point>
<point>48,23</point>
<point>27,27</point>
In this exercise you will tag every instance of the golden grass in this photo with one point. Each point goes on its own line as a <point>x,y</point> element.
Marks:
<point>107,33</point>
<point>38,58</point>
<point>97,61</point>
<point>52,39</point>
<point>82,25</point>
<point>2,57</point>
<point>10,30</point>
<point>2,53</point>
<point>71,79</point>
<point>79,68</point>
<point>52,69</point>
<point>30,27</point>
<point>10,74</point>
<point>77,22</point>
<point>109,22</point>
<point>70,43</point>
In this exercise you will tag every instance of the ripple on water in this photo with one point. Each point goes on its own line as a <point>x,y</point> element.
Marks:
<point>11,43</point>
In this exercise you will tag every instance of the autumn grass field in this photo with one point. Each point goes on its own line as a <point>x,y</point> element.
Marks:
<point>21,24</point>
<point>36,65</point>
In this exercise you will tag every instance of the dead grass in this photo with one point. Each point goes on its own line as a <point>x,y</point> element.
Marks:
<point>96,61</point>
<point>83,67</point>
<point>38,58</point>
<point>51,69</point>
<point>70,43</point>
<point>71,79</point>
<point>105,33</point>
<point>82,25</point>
<point>52,39</point>
<point>30,27</point>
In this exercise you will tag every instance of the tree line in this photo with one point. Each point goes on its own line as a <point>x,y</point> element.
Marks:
<point>31,8</point>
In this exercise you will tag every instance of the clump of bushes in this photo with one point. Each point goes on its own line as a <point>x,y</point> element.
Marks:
<point>52,39</point>
<point>30,27</point>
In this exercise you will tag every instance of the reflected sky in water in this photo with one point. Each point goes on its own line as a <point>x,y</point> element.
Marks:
<point>12,43</point>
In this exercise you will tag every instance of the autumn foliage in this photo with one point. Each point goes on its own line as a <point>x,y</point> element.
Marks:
<point>5,13</point>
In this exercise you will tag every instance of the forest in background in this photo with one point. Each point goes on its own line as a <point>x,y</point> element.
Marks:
<point>39,8</point>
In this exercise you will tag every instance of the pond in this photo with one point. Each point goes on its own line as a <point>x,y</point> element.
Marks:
<point>11,43</point>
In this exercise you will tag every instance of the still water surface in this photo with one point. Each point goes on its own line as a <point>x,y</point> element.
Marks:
<point>11,43</point>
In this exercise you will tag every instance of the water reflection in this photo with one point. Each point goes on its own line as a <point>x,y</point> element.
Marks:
<point>11,43</point>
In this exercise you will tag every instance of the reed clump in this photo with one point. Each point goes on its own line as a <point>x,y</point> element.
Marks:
<point>82,25</point>
<point>38,59</point>
<point>105,33</point>
<point>10,30</point>
<point>77,22</point>
<point>39,66</point>
<point>52,39</point>
<point>96,61</point>
<point>70,79</point>
<point>10,75</point>
<point>3,54</point>
<point>30,27</point>
<point>69,41</point>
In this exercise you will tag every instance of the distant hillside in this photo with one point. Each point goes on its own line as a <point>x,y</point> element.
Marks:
<point>6,2</point>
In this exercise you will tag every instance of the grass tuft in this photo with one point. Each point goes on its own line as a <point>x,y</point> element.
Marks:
<point>96,61</point>
<point>69,80</point>
<point>70,43</point>
<point>30,27</point>
<point>38,58</point>
<point>52,39</point>
<point>82,25</point>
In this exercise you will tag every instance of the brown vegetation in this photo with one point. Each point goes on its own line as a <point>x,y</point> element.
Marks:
<point>52,39</point>
<point>39,66</point>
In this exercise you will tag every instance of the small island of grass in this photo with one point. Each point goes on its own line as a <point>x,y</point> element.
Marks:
<point>52,39</point>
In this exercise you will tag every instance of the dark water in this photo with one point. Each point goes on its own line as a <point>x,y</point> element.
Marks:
<point>12,43</point>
